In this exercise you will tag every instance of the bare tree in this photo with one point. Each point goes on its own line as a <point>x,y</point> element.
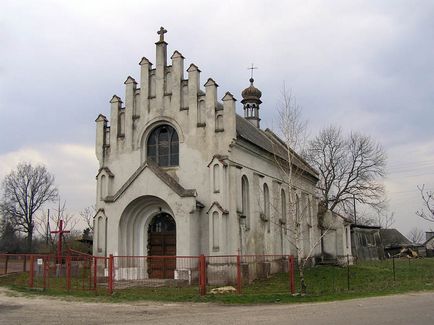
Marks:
<point>385,219</point>
<point>416,235</point>
<point>427,212</point>
<point>25,191</point>
<point>69,220</point>
<point>350,168</point>
<point>87,215</point>
<point>293,134</point>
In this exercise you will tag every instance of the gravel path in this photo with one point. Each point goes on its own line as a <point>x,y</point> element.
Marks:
<point>415,308</point>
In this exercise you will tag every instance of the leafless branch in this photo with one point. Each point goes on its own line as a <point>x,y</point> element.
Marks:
<point>350,167</point>
<point>416,235</point>
<point>427,212</point>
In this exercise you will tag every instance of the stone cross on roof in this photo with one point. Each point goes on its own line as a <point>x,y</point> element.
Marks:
<point>251,72</point>
<point>161,32</point>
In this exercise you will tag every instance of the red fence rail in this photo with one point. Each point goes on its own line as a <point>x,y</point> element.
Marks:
<point>87,272</point>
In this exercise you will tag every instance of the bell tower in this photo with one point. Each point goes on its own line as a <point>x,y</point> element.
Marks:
<point>251,101</point>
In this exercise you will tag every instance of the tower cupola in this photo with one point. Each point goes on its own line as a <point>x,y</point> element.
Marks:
<point>251,101</point>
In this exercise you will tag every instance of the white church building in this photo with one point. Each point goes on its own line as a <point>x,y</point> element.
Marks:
<point>181,173</point>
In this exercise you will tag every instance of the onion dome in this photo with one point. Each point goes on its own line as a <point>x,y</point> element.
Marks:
<point>251,93</point>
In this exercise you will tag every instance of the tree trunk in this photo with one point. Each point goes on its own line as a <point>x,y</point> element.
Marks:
<point>30,240</point>
<point>302,281</point>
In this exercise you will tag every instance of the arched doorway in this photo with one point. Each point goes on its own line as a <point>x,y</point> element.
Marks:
<point>162,243</point>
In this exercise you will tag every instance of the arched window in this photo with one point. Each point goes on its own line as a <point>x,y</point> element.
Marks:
<point>219,123</point>
<point>245,199</point>
<point>267,205</point>
<point>163,146</point>
<point>121,125</point>
<point>215,230</point>
<point>103,187</point>
<point>100,234</point>
<point>201,112</point>
<point>216,178</point>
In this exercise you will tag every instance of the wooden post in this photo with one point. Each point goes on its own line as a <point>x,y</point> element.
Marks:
<point>89,265</point>
<point>394,271</point>
<point>46,270</point>
<point>95,269</point>
<point>68,272</point>
<point>239,279</point>
<point>6,264</point>
<point>110,274</point>
<point>348,272</point>
<point>202,275</point>
<point>31,271</point>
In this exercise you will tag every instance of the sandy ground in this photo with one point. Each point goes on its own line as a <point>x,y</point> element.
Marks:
<point>415,308</point>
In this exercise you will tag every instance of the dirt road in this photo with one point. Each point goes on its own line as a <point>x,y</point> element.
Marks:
<point>417,308</point>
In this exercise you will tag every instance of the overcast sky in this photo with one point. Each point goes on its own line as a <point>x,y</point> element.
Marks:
<point>366,66</point>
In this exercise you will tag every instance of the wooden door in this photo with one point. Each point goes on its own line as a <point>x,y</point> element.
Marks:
<point>162,247</point>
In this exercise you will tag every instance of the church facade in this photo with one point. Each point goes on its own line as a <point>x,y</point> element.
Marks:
<point>181,173</point>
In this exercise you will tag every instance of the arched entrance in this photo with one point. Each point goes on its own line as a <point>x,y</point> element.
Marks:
<point>161,243</point>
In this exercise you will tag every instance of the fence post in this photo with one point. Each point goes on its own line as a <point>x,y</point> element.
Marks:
<point>202,275</point>
<point>239,274</point>
<point>95,266</point>
<point>68,272</point>
<point>46,269</point>
<point>291,273</point>
<point>110,274</point>
<point>31,274</point>
<point>6,264</point>
<point>348,272</point>
<point>89,274</point>
<point>393,266</point>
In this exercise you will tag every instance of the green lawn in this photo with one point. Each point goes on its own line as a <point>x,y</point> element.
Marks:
<point>324,283</point>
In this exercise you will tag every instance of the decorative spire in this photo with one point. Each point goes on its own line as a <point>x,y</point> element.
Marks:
<point>161,32</point>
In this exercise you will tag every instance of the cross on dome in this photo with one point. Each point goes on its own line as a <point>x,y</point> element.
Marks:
<point>161,32</point>
<point>251,70</point>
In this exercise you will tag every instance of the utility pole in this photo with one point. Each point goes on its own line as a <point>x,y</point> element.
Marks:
<point>47,228</point>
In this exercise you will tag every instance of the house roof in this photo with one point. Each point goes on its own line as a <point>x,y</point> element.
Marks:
<point>428,240</point>
<point>270,142</point>
<point>347,220</point>
<point>393,238</point>
<point>364,226</point>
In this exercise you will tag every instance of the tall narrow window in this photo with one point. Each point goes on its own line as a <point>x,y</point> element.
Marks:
<point>163,146</point>
<point>101,231</point>
<point>219,123</point>
<point>267,206</point>
<point>121,126</point>
<point>215,230</point>
<point>103,187</point>
<point>201,113</point>
<point>216,178</point>
<point>245,199</point>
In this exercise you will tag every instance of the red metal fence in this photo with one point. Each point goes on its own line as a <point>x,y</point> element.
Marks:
<point>78,271</point>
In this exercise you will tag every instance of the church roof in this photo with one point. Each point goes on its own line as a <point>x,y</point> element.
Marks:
<point>161,174</point>
<point>270,142</point>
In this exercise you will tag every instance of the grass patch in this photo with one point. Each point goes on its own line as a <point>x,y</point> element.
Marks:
<point>324,283</point>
